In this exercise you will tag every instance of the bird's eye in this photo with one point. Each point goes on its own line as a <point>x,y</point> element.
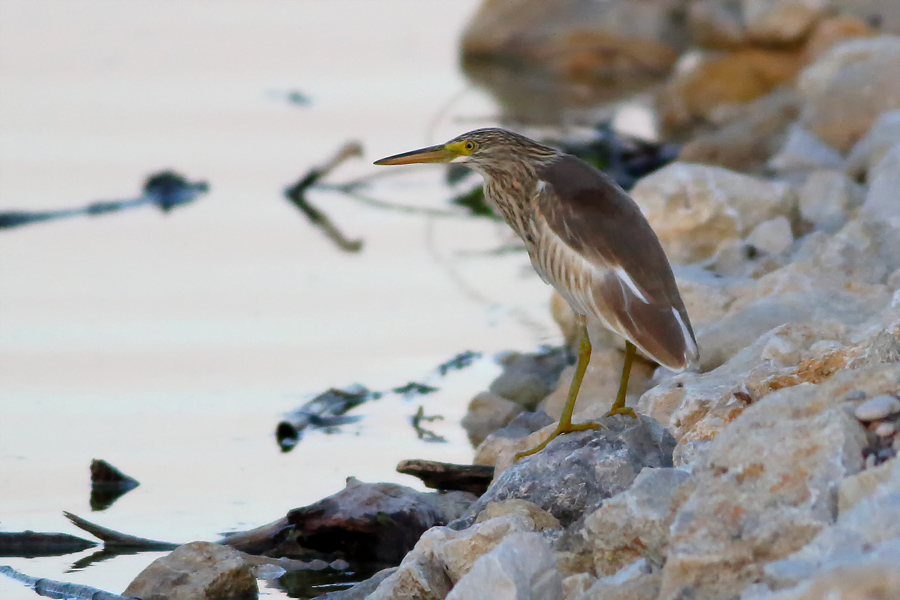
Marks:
<point>470,146</point>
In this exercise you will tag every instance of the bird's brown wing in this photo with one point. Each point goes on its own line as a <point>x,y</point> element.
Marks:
<point>625,272</point>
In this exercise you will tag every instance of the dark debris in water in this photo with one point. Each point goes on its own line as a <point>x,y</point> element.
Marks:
<point>415,389</point>
<point>458,362</point>
<point>108,484</point>
<point>426,435</point>
<point>165,190</point>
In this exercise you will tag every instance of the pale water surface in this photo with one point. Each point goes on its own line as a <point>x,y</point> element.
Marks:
<point>170,345</point>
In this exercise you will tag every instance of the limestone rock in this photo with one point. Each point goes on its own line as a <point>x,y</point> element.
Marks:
<point>827,197</point>
<point>195,571</point>
<point>767,486</point>
<point>519,568</point>
<point>882,201</point>
<point>578,38</point>
<point>874,580</point>
<point>540,519</point>
<point>487,413</point>
<point>505,438</point>
<point>460,550</point>
<point>868,529</point>
<point>420,575</point>
<point>865,251</point>
<point>577,471</point>
<point>695,209</point>
<point>632,583</point>
<point>877,408</point>
<point>781,21</point>
<point>803,151</point>
<point>865,483</point>
<point>634,524</point>
<point>868,152</point>
<point>773,236</point>
<point>848,87</point>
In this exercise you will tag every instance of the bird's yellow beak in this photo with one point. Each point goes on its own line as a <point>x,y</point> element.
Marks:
<point>432,154</point>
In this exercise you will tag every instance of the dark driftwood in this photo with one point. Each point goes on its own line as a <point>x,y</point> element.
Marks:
<point>297,195</point>
<point>59,589</point>
<point>108,484</point>
<point>115,539</point>
<point>325,410</point>
<point>446,476</point>
<point>30,544</point>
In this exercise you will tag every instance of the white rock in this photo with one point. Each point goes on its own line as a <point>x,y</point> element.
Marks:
<point>848,87</point>
<point>773,236</point>
<point>522,567</point>
<point>877,408</point>
<point>868,152</point>
<point>803,151</point>
<point>696,209</point>
<point>883,200</point>
<point>827,196</point>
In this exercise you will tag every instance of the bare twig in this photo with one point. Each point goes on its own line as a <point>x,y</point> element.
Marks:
<point>447,476</point>
<point>297,195</point>
<point>115,539</point>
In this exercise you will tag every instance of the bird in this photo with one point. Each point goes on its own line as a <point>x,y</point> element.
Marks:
<point>587,238</point>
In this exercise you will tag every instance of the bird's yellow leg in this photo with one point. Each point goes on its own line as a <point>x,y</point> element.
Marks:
<point>618,407</point>
<point>565,420</point>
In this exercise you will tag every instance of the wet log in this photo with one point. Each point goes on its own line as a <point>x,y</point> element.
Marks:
<point>446,476</point>
<point>59,589</point>
<point>325,410</point>
<point>31,544</point>
<point>115,539</point>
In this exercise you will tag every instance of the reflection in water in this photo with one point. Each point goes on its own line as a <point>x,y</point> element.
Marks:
<point>531,97</point>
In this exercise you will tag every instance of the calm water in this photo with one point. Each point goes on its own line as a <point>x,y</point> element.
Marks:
<point>170,345</point>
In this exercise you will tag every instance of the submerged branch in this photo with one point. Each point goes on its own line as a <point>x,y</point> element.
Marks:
<point>59,589</point>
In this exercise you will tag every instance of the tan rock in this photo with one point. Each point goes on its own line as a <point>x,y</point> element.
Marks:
<point>834,108</point>
<point>487,413</point>
<point>199,570</point>
<point>720,82</point>
<point>877,580</point>
<point>696,209</point>
<point>862,485</point>
<point>781,21</point>
<point>765,488</point>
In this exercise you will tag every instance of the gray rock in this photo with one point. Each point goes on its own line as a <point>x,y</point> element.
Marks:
<point>877,408</point>
<point>636,582</point>
<point>781,21</point>
<point>696,209</point>
<point>883,200</point>
<point>873,580</point>
<point>716,24</point>
<point>635,523</point>
<point>361,590</point>
<point>195,570</point>
<point>487,413</point>
<point>528,378</point>
<point>864,251</point>
<point>803,151</point>
<point>868,152</point>
<point>577,471</point>
<point>767,486</point>
<point>519,568</point>
<point>827,197</point>
<point>847,88</point>
<point>523,425</point>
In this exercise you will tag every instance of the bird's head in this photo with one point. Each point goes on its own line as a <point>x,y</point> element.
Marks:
<point>482,149</point>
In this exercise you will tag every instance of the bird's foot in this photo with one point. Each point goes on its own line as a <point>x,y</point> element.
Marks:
<point>560,429</point>
<point>621,410</point>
